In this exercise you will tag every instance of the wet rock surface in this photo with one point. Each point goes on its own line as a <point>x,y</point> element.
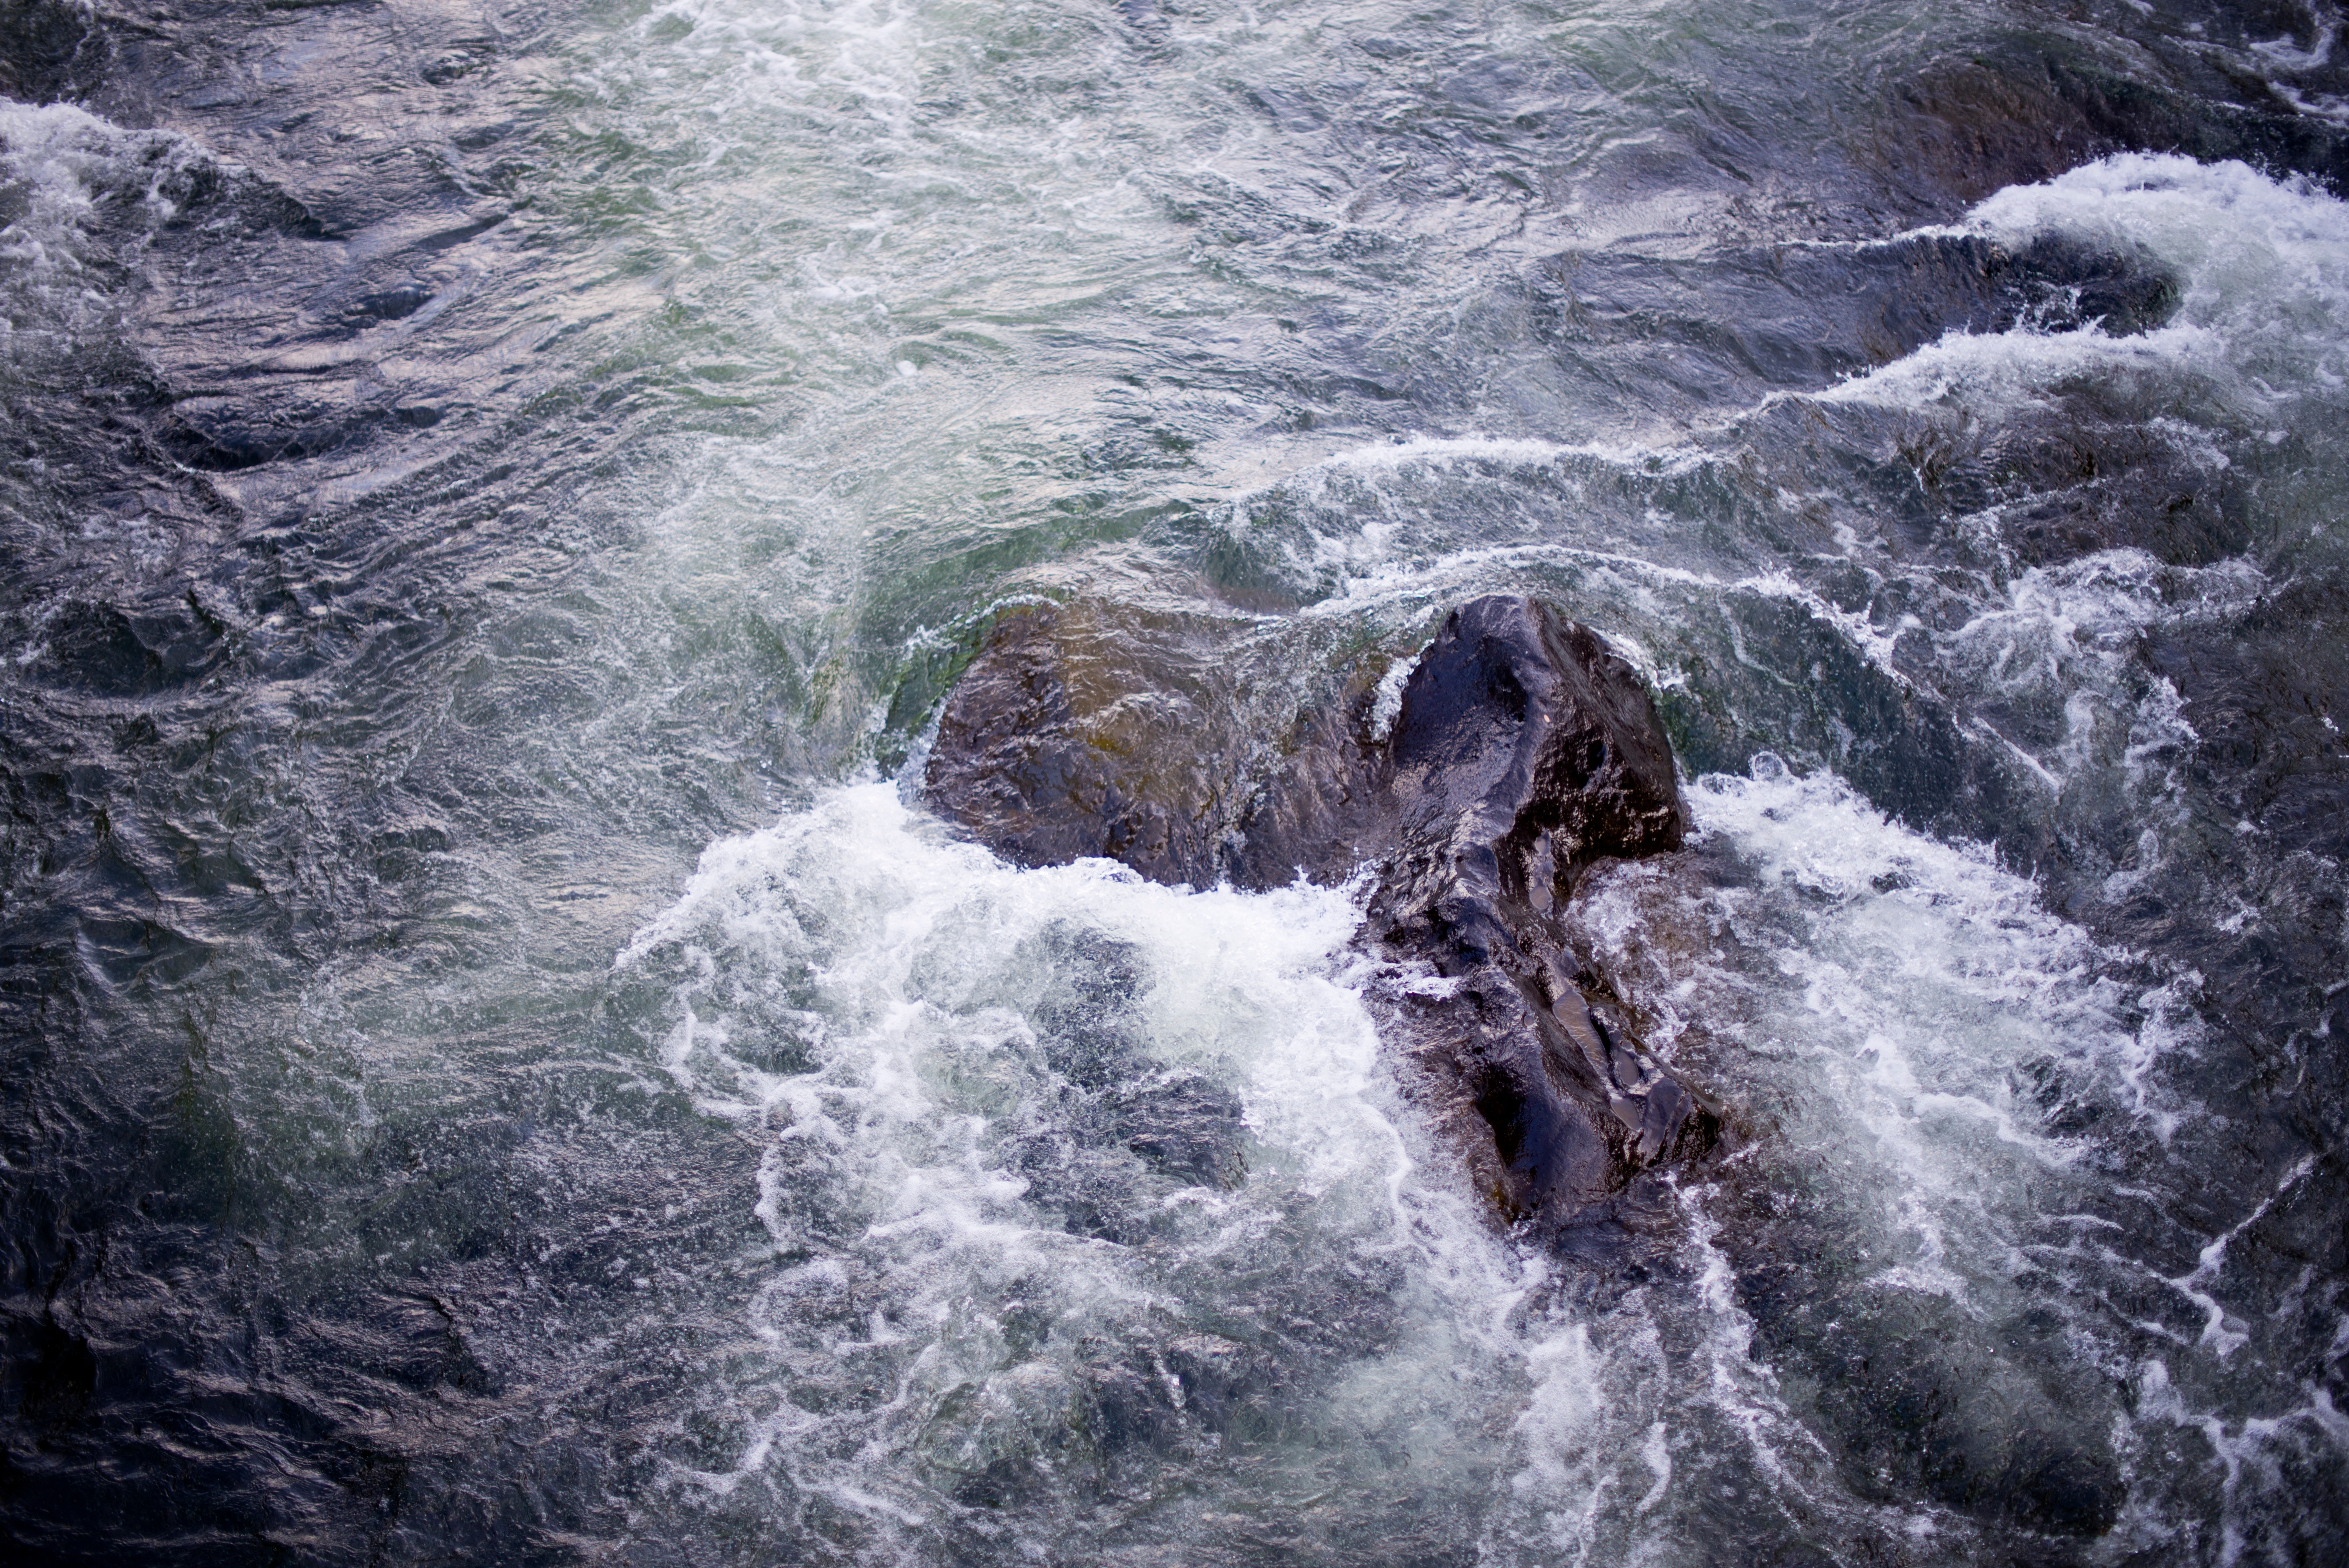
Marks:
<point>1088,730</point>
<point>366,680</point>
<point>1522,751</point>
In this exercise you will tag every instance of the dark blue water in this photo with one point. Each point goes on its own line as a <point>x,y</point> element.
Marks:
<point>496,1072</point>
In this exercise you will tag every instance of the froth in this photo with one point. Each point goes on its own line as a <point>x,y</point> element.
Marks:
<point>1898,1008</point>
<point>66,167</point>
<point>2262,267</point>
<point>1061,1166</point>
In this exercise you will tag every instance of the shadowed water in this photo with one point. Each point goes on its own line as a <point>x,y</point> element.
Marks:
<point>494,1072</point>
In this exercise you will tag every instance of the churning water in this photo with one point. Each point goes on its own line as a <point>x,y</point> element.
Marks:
<point>497,1070</point>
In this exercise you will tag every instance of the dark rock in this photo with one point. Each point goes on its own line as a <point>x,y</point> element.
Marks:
<point>2031,107</point>
<point>1331,808</point>
<point>1801,316</point>
<point>1523,750</point>
<point>49,50</point>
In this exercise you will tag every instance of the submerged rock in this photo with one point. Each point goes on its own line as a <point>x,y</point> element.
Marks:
<point>1522,751</point>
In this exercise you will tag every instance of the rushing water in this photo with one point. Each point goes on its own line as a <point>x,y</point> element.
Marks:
<point>499,1070</point>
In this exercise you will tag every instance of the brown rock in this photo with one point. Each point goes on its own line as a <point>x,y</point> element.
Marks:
<point>1523,750</point>
<point>1090,729</point>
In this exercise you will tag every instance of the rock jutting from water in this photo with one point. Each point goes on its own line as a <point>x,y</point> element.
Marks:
<point>1523,751</point>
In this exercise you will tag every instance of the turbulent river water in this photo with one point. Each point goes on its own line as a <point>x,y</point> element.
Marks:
<point>500,1067</point>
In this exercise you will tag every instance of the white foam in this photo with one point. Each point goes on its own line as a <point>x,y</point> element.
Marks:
<point>905,1239</point>
<point>1442,451</point>
<point>1386,705</point>
<point>2257,1456</point>
<point>63,161</point>
<point>2007,371</point>
<point>1899,997</point>
<point>1368,528</point>
<point>897,963</point>
<point>2264,269</point>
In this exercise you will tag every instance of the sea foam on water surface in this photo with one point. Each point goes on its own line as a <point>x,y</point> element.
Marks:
<point>1993,1092</point>
<point>1067,1171</point>
<point>2263,273</point>
<point>60,168</point>
<point>984,1284</point>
